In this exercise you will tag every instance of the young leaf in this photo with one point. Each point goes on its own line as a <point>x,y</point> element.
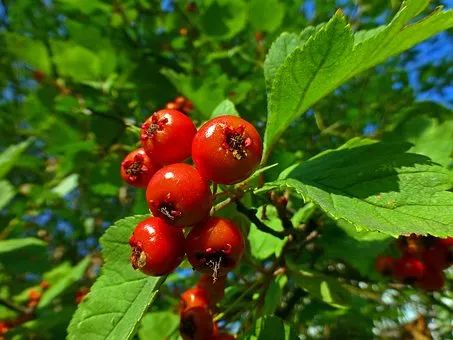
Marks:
<point>120,296</point>
<point>226,107</point>
<point>333,55</point>
<point>377,186</point>
<point>266,15</point>
<point>274,294</point>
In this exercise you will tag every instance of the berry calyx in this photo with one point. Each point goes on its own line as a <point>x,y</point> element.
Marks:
<point>196,324</point>
<point>167,135</point>
<point>178,194</point>
<point>408,269</point>
<point>384,265</point>
<point>215,246</point>
<point>157,247</point>
<point>227,149</point>
<point>137,168</point>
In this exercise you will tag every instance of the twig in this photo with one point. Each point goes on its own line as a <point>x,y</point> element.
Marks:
<point>251,215</point>
<point>14,307</point>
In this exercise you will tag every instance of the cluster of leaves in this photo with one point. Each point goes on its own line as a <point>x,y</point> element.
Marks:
<point>77,76</point>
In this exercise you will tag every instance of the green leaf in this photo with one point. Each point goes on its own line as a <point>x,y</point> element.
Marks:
<point>429,136</point>
<point>349,242</point>
<point>274,294</point>
<point>272,328</point>
<point>31,51</point>
<point>158,325</point>
<point>377,186</point>
<point>223,19</point>
<point>120,296</point>
<point>57,288</point>
<point>66,185</point>
<point>333,55</point>
<point>7,192</point>
<point>263,245</point>
<point>205,93</point>
<point>266,15</point>
<point>283,46</point>
<point>226,107</point>
<point>10,156</point>
<point>325,288</point>
<point>11,245</point>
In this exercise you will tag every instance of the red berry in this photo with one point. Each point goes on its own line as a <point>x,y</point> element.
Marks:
<point>436,256</point>
<point>137,168</point>
<point>411,245</point>
<point>196,324</point>
<point>432,280</point>
<point>157,247</point>
<point>81,294</point>
<point>179,194</point>
<point>194,297</point>
<point>384,265</point>
<point>4,328</point>
<point>215,288</point>
<point>227,149</point>
<point>408,269</point>
<point>167,136</point>
<point>172,106</point>
<point>447,242</point>
<point>215,246</point>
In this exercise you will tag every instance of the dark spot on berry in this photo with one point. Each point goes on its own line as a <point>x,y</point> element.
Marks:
<point>169,211</point>
<point>236,142</point>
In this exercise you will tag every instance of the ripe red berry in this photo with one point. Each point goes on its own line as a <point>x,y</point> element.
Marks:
<point>226,149</point>
<point>215,246</point>
<point>408,269</point>
<point>435,256</point>
<point>196,324</point>
<point>39,76</point>
<point>137,168</point>
<point>167,136</point>
<point>384,265</point>
<point>179,194</point>
<point>157,247</point>
<point>215,288</point>
<point>432,280</point>
<point>194,298</point>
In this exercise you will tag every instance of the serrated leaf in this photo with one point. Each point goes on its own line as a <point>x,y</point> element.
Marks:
<point>333,55</point>
<point>63,283</point>
<point>226,107</point>
<point>283,46</point>
<point>10,156</point>
<point>429,136</point>
<point>7,192</point>
<point>120,296</point>
<point>377,186</point>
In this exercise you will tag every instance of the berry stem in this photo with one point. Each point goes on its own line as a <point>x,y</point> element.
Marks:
<point>251,215</point>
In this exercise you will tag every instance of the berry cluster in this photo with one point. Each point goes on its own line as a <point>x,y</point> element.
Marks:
<point>196,309</point>
<point>422,262</point>
<point>224,150</point>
